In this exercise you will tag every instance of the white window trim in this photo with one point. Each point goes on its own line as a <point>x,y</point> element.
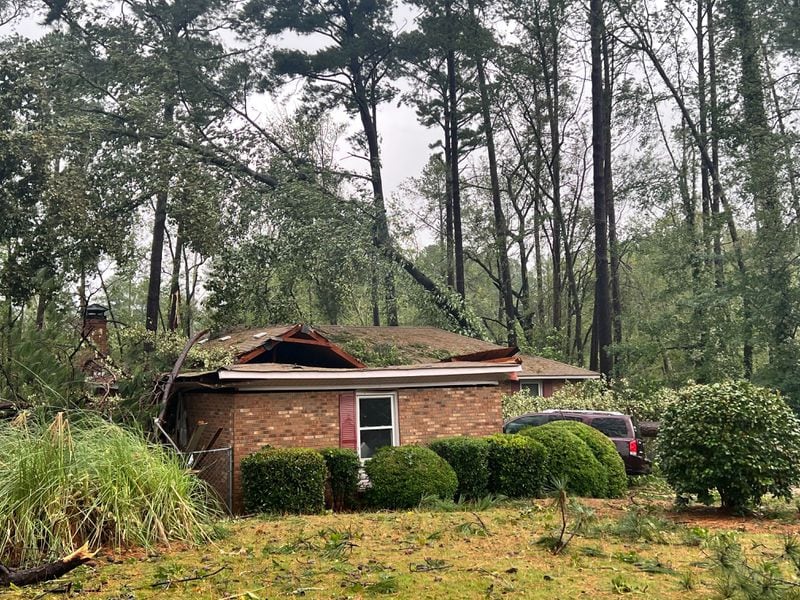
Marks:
<point>394,427</point>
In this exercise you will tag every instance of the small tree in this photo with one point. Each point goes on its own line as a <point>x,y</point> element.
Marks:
<point>735,437</point>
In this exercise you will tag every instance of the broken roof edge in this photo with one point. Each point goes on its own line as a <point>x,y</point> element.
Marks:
<point>271,371</point>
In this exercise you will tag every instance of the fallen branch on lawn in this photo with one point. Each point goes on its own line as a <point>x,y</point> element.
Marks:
<point>169,582</point>
<point>46,572</point>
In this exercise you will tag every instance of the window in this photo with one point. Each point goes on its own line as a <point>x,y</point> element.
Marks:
<point>377,423</point>
<point>611,426</point>
<point>532,387</point>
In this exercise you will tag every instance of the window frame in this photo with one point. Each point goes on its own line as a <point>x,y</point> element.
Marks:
<point>529,382</point>
<point>394,426</point>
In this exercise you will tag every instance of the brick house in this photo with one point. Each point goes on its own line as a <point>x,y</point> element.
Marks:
<point>298,386</point>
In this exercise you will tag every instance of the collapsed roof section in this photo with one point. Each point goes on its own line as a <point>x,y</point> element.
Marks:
<point>288,345</point>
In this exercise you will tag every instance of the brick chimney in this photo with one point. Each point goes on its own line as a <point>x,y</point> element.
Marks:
<point>95,327</point>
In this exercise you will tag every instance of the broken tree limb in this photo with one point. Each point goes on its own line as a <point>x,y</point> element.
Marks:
<point>46,572</point>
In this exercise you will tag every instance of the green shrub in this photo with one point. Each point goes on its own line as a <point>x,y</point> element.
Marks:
<point>569,459</point>
<point>401,476</point>
<point>343,475</point>
<point>733,437</point>
<point>516,465</point>
<point>469,457</point>
<point>604,451</point>
<point>595,394</point>
<point>284,480</point>
<point>89,481</point>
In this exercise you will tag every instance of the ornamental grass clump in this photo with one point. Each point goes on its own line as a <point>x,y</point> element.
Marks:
<point>66,484</point>
<point>733,437</point>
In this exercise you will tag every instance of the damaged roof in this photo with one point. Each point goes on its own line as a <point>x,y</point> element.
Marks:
<point>403,345</point>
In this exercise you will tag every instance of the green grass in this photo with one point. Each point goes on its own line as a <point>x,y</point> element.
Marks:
<point>423,553</point>
<point>63,485</point>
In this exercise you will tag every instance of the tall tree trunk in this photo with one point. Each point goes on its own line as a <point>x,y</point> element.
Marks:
<point>602,320</point>
<point>705,185</point>
<point>713,112</point>
<point>455,181</point>
<point>157,245</point>
<point>772,254</point>
<point>552,83</point>
<point>537,249</point>
<point>613,244</point>
<point>367,113</point>
<point>175,281</point>
<point>448,183</point>
<point>500,225</point>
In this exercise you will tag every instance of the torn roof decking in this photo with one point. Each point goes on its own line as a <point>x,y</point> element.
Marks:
<point>413,345</point>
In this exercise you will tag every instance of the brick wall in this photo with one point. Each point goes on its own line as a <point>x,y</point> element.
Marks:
<point>282,419</point>
<point>429,413</point>
<point>311,419</point>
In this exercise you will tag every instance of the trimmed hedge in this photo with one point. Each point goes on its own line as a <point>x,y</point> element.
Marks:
<point>343,475</point>
<point>569,458</point>
<point>284,480</point>
<point>516,465</point>
<point>604,451</point>
<point>402,475</point>
<point>469,457</point>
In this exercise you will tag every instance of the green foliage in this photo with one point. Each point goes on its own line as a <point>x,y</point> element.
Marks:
<point>469,457</point>
<point>595,394</point>
<point>733,437</point>
<point>374,354</point>
<point>604,451</point>
<point>36,371</point>
<point>516,466</point>
<point>343,475</point>
<point>284,480</point>
<point>90,481</point>
<point>401,476</point>
<point>569,459</point>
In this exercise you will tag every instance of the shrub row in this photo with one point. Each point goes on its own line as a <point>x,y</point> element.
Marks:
<point>520,466</point>
<point>516,466</point>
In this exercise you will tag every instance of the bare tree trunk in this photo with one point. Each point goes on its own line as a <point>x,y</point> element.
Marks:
<point>500,224</point>
<point>716,191</point>
<point>537,249</point>
<point>454,168</point>
<point>613,244</point>
<point>175,282</point>
<point>157,245</point>
<point>602,318</point>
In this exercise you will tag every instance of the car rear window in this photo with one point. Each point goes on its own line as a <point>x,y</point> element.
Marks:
<point>611,426</point>
<point>523,422</point>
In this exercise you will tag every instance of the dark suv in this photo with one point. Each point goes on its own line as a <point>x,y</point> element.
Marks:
<point>617,426</point>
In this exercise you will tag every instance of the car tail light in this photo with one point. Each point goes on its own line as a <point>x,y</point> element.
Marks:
<point>633,446</point>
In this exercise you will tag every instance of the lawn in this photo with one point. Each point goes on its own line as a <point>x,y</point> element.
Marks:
<point>636,547</point>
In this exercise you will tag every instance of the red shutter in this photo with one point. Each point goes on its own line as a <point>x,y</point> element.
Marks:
<point>347,420</point>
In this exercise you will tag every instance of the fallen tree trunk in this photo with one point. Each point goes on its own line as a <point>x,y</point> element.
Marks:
<point>46,572</point>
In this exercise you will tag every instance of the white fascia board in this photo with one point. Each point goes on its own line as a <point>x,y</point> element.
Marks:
<point>524,378</point>
<point>397,374</point>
